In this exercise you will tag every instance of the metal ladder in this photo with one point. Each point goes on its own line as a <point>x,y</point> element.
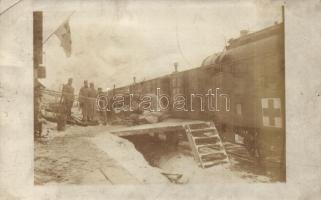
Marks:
<point>206,145</point>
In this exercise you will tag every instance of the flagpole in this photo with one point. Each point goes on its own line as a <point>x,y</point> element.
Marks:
<point>51,34</point>
<point>5,10</point>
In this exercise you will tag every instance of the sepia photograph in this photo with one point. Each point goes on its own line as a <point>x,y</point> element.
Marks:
<point>160,99</point>
<point>159,93</point>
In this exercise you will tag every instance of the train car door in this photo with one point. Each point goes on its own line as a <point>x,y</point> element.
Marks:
<point>176,88</point>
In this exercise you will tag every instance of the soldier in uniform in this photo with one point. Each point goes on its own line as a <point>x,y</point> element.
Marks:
<point>84,101</point>
<point>37,110</point>
<point>92,102</point>
<point>68,98</point>
<point>102,105</point>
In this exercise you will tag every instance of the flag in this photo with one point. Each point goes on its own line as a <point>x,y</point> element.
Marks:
<point>63,34</point>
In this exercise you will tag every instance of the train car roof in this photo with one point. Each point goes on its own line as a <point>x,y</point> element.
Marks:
<point>220,56</point>
<point>246,39</point>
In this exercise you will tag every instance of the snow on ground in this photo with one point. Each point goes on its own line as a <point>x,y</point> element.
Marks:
<point>69,157</point>
<point>180,163</point>
<point>78,154</point>
<point>124,153</point>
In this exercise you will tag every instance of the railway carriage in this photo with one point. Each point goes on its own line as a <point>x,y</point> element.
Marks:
<point>250,72</point>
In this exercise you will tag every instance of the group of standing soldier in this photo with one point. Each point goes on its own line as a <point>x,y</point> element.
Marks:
<point>87,101</point>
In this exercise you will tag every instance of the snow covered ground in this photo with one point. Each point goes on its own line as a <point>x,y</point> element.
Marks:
<point>180,163</point>
<point>91,155</point>
<point>124,152</point>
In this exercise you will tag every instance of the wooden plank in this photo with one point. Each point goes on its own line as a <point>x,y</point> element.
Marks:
<point>153,128</point>
<point>192,144</point>
<point>146,131</point>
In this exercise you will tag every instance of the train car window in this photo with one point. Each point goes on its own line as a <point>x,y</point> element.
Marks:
<point>179,82</point>
<point>174,82</point>
<point>239,69</point>
<point>238,109</point>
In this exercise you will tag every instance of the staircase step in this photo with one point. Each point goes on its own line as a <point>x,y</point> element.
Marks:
<point>214,146</point>
<point>201,130</point>
<point>205,134</point>
<point>206,137</point>
<point>211,153</point>
<point>206,140</point>
<point>212,159</point>
<point>212,163</point>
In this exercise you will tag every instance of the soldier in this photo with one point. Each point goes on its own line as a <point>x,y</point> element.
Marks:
<point>84,101</point>
<point>68,97</point>
<point>92,102</point>
<point>37,110</point>
<point>257,147</point>
<point>102,101</point>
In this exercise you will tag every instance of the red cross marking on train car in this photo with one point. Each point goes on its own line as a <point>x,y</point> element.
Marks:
<point>271,112</point>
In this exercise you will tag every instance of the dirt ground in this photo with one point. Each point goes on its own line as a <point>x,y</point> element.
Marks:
<point>91,155</point>
<point>178,159</point>
<point>69,157</point>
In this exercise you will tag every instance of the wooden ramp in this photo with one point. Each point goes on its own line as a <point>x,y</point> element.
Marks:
<point>204,140</point>
<point>161,127</point>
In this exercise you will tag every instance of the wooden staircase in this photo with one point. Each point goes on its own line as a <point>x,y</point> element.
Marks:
<point>206,144</point>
